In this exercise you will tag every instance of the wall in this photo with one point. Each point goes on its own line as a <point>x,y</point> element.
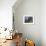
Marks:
<point>6,13</point>
<point>30,31</point>
<point>43,22</point>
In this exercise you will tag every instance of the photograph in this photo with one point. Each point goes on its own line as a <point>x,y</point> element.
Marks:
<point>28,19</point>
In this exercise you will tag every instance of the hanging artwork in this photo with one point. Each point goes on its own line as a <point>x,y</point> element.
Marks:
<point>28,19</point>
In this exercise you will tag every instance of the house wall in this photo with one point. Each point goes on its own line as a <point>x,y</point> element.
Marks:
<point>6,13</point>
<point>30,31</point>
<point>43,22</point>
<point>6,16</point>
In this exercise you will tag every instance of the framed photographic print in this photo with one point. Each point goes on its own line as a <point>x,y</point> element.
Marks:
<point>28,19</point>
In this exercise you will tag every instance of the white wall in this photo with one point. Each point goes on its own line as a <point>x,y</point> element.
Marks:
<point>43,22</point>
<point>31,31</point>
<point>6,18</point>
<point>6,13</point>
